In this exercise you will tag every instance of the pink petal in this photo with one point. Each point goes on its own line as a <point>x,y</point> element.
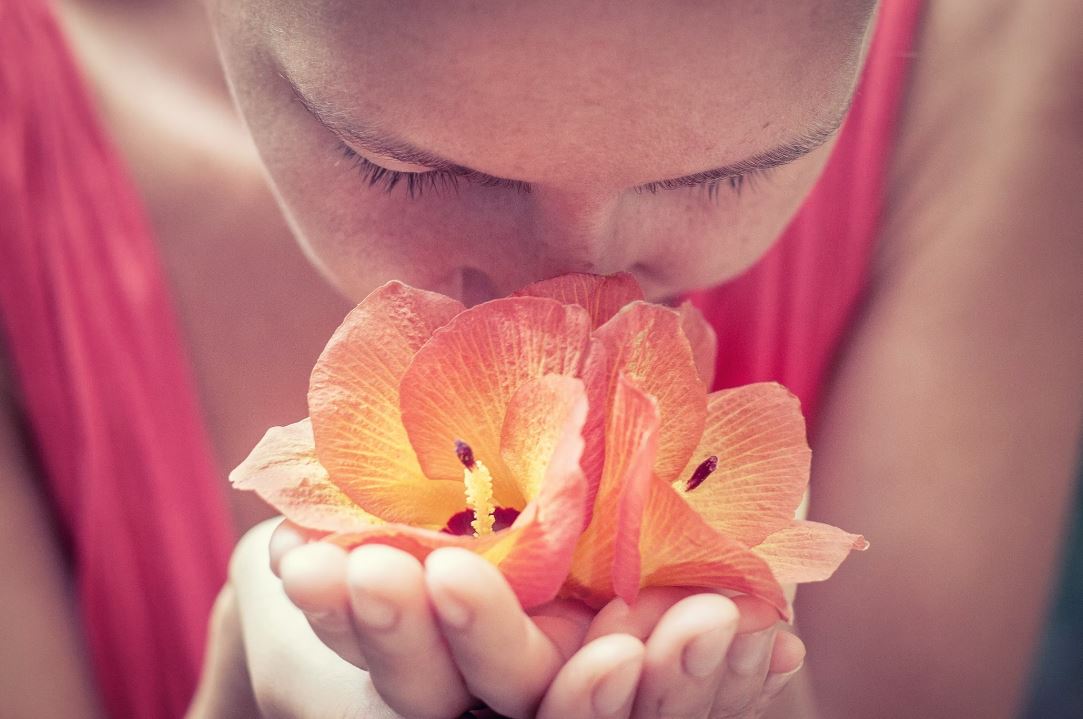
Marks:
<point>534,554</point>
<point>460,383</point>
<point>283,470</point>
<point>680,549</point>
<point>808,551</point>
<point>701,336</point>
<point>600,295</point>
<point>607,561</point>
<point>757,433</point>
<point>646,342</point>
<point>533,425</point>
<point>353,399</point>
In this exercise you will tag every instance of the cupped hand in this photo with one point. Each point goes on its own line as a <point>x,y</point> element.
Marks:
<point>447,636</point>
<point>262,657</point>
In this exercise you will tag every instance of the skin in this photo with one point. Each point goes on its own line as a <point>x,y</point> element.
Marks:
<point>978,245</point>
<point>353,68</point>
<point>534,92</point>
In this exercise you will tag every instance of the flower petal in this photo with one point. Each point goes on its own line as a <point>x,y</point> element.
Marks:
<point>703,339</point>
<point>600,295</point>
<point>460,383</point>
<point>647,342</point>
<point>606,561</point>
<point>595,374</point>
<point>680,549</point>
<point>535,552</point>
<point>353,400</point>
<point>757,433</point>
<point>283,470</point>
<point>533,425</point>
<point>808,551</point>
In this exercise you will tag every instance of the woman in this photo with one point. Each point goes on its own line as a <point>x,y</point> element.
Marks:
<point>959,375</point>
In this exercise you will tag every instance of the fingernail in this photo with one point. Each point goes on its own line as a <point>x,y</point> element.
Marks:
<point>373,612</point>
<point>451,610</point>
<point>775,682</point>
<point>749,652</point>
<point>704,654</point>
<point>615,688</point>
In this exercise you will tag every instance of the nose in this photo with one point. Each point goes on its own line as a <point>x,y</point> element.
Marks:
<point>578,232</point>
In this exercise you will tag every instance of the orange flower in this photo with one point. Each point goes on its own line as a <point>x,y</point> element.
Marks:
<point>695,489</point>
<point>434,425</point>
<point>572,410</point>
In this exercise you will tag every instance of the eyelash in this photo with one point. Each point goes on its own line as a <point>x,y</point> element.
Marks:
<point>375,175</point>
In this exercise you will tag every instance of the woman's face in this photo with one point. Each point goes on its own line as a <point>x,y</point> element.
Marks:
<point>538,132</point>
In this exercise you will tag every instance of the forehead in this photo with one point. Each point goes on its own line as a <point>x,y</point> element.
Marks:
<point>540,91</point>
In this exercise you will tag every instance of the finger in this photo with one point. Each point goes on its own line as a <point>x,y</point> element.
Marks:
<point>788,652</point>
<point>743,675</point>
<point>409,662</point>
<point>285,537</point>
<point>684,658</point>
<point>756,614</point>
<point>639,619</point>
<point>289,667</point>
<point>565,622</point>
<point>504,657</point>
<point>314,578</point>
<point>787,658</point>
<point>599,682</point>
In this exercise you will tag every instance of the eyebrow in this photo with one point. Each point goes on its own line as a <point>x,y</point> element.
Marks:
<point>371,139</point>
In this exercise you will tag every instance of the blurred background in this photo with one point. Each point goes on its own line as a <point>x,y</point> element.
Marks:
<point>1057,685</point>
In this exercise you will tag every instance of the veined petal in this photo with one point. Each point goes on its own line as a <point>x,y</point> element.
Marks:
<point>353,400</point>
<point>808,551</point>
<point>283,470</point>
<point>600,295</point>
<point>607,560</point>
<point>535,552</point>
<point>459,384</point>
<point>757,433</point>
<point>534,423</point>
<point>596,376</point>
<point>703,339</point>
<point>680,549</point>
<point>646,342</point>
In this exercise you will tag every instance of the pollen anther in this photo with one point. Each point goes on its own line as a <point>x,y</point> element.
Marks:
<point>703,471</point>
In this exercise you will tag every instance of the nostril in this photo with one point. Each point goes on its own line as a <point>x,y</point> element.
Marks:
<point>476,287</point>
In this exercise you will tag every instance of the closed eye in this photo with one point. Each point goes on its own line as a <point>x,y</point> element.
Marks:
<point>442,180</point>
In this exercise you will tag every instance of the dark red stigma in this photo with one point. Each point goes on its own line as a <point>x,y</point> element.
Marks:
<point>465,454</point>
<point>703,471</point>
<point>503,517</point>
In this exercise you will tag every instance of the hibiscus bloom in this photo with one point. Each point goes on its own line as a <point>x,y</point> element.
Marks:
<point>565,433</point>
<point>433,425</point>
<point>695,489</point>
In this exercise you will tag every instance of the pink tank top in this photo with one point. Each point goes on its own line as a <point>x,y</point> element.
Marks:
<point>107,394</point>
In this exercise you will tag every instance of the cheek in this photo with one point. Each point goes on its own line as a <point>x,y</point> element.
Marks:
<point>692,242</point>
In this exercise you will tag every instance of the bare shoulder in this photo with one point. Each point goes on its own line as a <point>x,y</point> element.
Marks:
<point>38,620</point>
<point>991,123</point>
<point>950,432</point>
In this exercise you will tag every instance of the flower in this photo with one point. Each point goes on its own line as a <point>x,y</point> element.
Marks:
<point>433,425</point>
<point>565,433</point>
<point>696,489</point>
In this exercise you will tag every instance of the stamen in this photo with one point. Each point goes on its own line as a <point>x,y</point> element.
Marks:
<point>479,489</point>
<point>703,471</point>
